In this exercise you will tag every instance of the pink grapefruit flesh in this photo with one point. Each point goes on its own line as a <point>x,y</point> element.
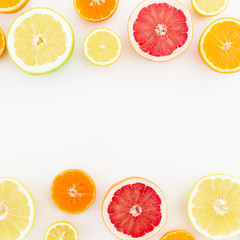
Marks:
<point>135,208</point>
<point>160,30</point>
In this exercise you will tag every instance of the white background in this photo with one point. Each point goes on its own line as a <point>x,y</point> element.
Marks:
<point>170,122</point>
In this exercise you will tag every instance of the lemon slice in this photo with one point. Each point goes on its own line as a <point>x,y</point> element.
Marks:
<point>102,47</point>
<point>61,231</point>
<point>40,41</point>
<point>209,8</point>
<point>214,206</point>
<point>17,210</point>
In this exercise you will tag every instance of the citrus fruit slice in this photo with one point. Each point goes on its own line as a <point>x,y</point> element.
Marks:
<point>95,10</point>
<point>219,45</point>
<point>17,210</point>
<point>40,41</point>
<point>73,191</point>
<point>102,47</point>
<point>160,30</point>
<point>178,235</point>
<point>9,6</point>
<point>209,8</point>
<point>2,42</point>
<point>134,208</point>
<point>61,231</point>
<point>214,206</point>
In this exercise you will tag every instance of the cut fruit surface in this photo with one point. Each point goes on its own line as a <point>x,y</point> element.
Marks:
<point>214,206</point>
<point>102,47</point>
<point>2,42</point>
<point>61,231</point>
<point>209,8</point>
<point>40,41</point>
<point>178,235</point>
<point>17,210</point>
<point>95,10</point>
<point>160,30</point>
<point>219,45</point>
<point>134,208</point>
<point>9,6</point>
<point>73,191</point>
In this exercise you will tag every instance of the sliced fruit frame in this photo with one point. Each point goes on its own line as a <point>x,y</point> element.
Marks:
<point>39,70</point>
<point>178,51</point>
<point>110,194</point>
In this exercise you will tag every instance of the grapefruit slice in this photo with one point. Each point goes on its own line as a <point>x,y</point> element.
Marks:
<point>160,30</point>
<point>17,210</point>
<point>40,41</point>
<point>134,208</point>
<point>214,206</point>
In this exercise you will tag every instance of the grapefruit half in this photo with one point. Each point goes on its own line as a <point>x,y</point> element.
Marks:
<point>160,30</point>
<point>134,208</point>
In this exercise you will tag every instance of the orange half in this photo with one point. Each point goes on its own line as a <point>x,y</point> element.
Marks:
<point>73,191</point>
<point>9,6</point>
<point>2,42</point>
<point>96,10</point>
<point>219,45</point>
<point>178,235</point>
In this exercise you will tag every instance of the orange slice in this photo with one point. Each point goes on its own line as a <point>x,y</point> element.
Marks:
<point>2,42</point>
<point>219,45</point>
<point>9,6</point>
<point>73,191</point>
<point>96,10</point>
<point>178,235</point>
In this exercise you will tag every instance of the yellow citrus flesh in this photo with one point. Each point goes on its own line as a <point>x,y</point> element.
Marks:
<point>214,206</point>
<point>17,210</point>
<point>102,47</point>
<point>40,40</point>
<point>219,45</point>
<point>9,6</point>
<point>61,231</point>
<point>209,8</point>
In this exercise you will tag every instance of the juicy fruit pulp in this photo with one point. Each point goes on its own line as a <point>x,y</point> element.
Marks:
<point>40,40</point>
<point>96,10</point>
<point>102,47</point>
<point>219,45</point>
<point>214,206</point>
<point>17,210</point>
<point>73,191</point>
<point>209,8</point>
<point>61,231</point>
<point>134,209</point>
<point>9,6</point>
<point>2,42</point>
<point>178,235</point>
<point>160,30</point>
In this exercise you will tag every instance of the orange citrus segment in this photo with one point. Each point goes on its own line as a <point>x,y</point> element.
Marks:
<point>9,6</point>
<point>220,45</point>
<point>96,10</point>
<point>73,191</point>
<point>2,42</point>
<point>178,235</point>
